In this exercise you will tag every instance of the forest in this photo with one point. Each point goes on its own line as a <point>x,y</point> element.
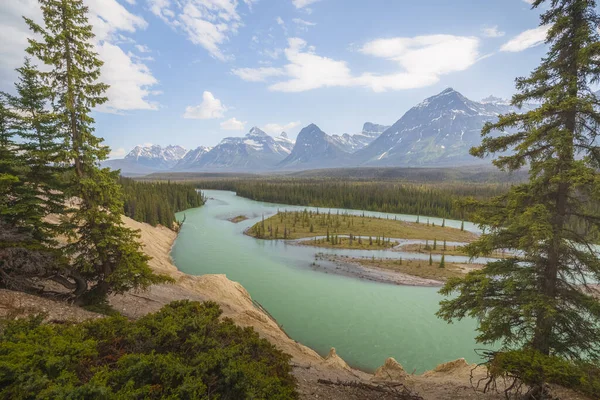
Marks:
<point>156,203</point>
<point>435,200</point>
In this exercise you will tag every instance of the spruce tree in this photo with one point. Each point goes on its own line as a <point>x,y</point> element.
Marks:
<point>542,303</point>
<point>41,151</point>
<point>103,251</point>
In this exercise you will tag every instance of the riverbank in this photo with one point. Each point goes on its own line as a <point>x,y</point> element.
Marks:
<point>315,374</point>
<point>408,272</point>
<point>318,377</point>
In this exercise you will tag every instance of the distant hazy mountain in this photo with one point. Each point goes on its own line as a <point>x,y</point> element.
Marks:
<point>192,158</point>
<point>315,149</point>
<point>255,151</point>
<point>155,156</point>
<point>438,131</point>
<point>353,143</point>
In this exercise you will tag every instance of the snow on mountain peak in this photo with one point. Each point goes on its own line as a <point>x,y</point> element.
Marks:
<point>255,131</point>
<point>495,100</point>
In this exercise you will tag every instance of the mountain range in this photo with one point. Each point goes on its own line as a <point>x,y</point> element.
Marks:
<point>439,131</point>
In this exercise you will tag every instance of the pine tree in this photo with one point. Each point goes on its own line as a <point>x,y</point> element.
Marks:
<point>462,226</point>
<point>41,151</point>
<point>105,253</point>
<point>430,259</point>
<point>542,302</point>
<point>435,244</point>
<point>443,262</point>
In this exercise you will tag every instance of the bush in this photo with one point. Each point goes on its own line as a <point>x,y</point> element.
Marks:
<point>532,368</point>
<point>184,351</point>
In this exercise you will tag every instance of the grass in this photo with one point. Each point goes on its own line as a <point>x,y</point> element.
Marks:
<point>346,243</point>
<point>238,219</point>
<point>420,268</point>
<point>449,251</point>
<point>306,224</point>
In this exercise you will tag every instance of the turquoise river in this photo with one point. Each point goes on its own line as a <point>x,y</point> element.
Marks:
<point>365,321</point>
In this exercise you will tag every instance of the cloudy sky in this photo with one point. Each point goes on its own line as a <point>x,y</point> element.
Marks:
<point>192,72</point>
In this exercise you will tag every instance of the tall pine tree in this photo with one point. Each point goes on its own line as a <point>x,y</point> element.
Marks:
<point>103,251</point>
<point>542,302</point>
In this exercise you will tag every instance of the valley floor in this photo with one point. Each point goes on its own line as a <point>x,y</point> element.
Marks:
<point>317,376</point>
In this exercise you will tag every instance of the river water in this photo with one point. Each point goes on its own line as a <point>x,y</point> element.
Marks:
<point>365,321</point>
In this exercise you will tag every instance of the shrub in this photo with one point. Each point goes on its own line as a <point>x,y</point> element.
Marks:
<point>184,351</point>
<point>532,368</point>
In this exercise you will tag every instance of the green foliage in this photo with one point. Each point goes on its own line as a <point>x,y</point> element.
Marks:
<point>104,256</point>
<point>543,301</point>
<point>156,203</point>
<point>534,369</point>
<point>437,200</point>
<point>184,351</point>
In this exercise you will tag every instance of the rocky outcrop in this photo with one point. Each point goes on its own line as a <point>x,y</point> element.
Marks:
<point>391,370</point>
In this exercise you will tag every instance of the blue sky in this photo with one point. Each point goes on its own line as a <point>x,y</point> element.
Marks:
<point>191,72</point>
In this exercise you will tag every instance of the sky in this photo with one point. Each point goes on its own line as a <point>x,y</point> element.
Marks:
<point>192,72</point>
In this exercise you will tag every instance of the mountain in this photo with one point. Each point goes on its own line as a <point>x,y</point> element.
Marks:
<point>191,158</point>
<point>156,157</point>
<point>315,149</point>
<point>285,142</point>
<point>353,143</point>
<point>438,131</point>
<point>143,160</point>
<point>255,151</point>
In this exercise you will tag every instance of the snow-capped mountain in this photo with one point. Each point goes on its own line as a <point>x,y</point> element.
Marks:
<point>438,131</point>
<point>315,149</point>
<point>192,157</point>
<point>156,156</point>
<point>353,143</point>
<point>285,142</point>
<point>255,151</point>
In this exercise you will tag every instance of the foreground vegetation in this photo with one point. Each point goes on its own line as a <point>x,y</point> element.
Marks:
<point>156,203</point>
<point>305,224</point>
<point>541,308</point>
<point>49,156</point>
<point>184,351</point>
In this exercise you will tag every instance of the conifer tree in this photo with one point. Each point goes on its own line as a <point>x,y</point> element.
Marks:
<point>430,259</point>
<point>542,303</point>
<point>41,152</point>
<point>443,262</point>
<point>103,251</point>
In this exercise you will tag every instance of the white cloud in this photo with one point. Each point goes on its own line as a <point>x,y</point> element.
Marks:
<point>258,74</point>
<point>143,48</point>
<point>207,23</point>
<point>300,21</point>
<point>117,153</point>
<point>233,125</point>
<point>422,60</point>
<point>303,3</point>
<point>130,79</point>
<point>525,40</point>
<point>492,32</point>
<point>275,129</point>
<point>210,108</point>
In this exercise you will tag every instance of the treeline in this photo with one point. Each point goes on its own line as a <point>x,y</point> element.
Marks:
<point>156,203</point>
<point>435,200</point>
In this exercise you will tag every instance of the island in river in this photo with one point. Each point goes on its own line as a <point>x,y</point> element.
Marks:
<point>355,232</point>
<point>309,224</point>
